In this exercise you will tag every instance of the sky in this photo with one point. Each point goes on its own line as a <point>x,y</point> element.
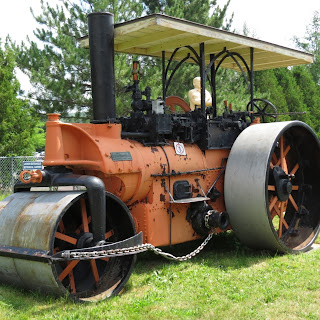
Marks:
<point>275,21</point>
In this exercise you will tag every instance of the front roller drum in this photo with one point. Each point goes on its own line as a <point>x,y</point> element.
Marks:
<point>272,186</point>
<point>58,221</point>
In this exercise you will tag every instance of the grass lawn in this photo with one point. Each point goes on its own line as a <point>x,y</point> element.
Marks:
<point>225,281</point>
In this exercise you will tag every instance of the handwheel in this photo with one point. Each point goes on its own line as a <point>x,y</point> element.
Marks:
<point>174,101</point>
<point>265,109</point>
<point>56,221</point>
<point>272,183</point>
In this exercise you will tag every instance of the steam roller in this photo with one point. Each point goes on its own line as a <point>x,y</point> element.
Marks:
<point>171,172</point>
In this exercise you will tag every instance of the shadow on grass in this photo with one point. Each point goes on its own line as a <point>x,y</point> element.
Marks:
<point>223,251</point>
<point>24,302</point>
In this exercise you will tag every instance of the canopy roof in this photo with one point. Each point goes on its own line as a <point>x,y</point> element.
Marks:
<point>150,35</point>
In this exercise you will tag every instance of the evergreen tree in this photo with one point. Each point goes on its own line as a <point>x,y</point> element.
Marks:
<point>17,119</point>
<point>310,92</point>
<point>311,43</point>
<point>201,11</point>
<point>59,69</point>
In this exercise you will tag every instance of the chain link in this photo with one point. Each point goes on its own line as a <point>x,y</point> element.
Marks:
<point>134,250</point>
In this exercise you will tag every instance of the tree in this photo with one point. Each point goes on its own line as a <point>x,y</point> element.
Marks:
<point>59,69</point>
<point>17,120</point>
<point>311,44</point>
<point>201,11</point>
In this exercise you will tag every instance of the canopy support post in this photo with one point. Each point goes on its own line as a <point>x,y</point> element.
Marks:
<point>251,78</point>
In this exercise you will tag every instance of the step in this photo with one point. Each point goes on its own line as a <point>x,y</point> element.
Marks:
<point>190,200</point>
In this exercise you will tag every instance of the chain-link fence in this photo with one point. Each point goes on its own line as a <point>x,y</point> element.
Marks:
<point>10,168</point>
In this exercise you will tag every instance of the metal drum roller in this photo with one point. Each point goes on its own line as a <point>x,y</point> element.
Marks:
<point>272,186</point>
<point>35,225</point>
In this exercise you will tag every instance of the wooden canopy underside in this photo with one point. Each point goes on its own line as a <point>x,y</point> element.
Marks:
<point>150,35</point>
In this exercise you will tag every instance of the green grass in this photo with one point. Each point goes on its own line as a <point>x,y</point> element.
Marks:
<point>225,281</point>
<point>3,195</point>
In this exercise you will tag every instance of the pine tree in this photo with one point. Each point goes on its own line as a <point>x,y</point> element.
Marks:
<point>17,119</point>
<point>59,69</point>
<point>311,43</point>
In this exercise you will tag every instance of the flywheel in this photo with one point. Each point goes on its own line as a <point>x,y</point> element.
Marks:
<point>36,222</point>
<point>272,185</point>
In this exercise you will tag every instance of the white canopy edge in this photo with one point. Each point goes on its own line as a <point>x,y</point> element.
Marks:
<point>153,34</point>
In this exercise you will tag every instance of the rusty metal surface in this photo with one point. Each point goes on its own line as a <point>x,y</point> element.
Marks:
<point>29,220</point>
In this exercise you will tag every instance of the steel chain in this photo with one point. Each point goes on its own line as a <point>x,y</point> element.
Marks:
<point>134,250</point>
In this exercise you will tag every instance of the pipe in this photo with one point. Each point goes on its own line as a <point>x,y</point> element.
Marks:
<point>95,190</point>
<point>101,43</point>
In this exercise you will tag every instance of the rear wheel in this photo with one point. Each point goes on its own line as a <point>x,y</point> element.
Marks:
<point>272,186</point>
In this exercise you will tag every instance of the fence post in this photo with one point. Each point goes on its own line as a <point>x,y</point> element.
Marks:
<point>12,173</point>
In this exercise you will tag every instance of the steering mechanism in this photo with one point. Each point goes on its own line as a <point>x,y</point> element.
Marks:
<point>264,109</point>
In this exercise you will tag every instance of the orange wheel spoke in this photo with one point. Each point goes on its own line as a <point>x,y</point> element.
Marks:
<point>273,213</point>
<point>278,213</point>
<point>281,220</point>
<point>294,170</point>
<point>84,215</point>
<point>105,259</point>
<point>66,238</point>
<point>68,269</point>
<point>278,162</point>
<point>61,226</point>
<point>94,270</point>
<point>72,283</point>
<point>109,234</point>
<point>274,158</point>
<point>80,228</point>
<point>293,203</point>
<point>273,202</point>
<point>271,188</point>
<point>283,161</point>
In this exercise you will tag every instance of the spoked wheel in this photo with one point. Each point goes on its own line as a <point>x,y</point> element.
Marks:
<point>37,223</point>
<point>272,186</point>
<point>173,101</point>
<point>93,279</point>
<point>265,109</point>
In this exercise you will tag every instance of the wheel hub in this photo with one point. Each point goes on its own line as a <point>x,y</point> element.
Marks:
<point>282,183</point>
<point>85,240</point>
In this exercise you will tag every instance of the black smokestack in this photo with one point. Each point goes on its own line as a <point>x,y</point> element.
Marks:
<point>101,42</point>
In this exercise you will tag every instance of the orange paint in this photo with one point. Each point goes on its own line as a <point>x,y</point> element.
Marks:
<point>137,174</point>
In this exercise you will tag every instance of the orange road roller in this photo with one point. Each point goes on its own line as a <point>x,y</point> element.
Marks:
<point>166,174</point>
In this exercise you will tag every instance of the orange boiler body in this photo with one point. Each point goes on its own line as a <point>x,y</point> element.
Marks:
<point>137,174</point>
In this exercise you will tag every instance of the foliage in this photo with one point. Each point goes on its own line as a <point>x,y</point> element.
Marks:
<point>226,280</point>
<point>291,90</point>
<point>311,44</point>
<point>17,119</point>
<point>59,69</point>
<point>201,11</point>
